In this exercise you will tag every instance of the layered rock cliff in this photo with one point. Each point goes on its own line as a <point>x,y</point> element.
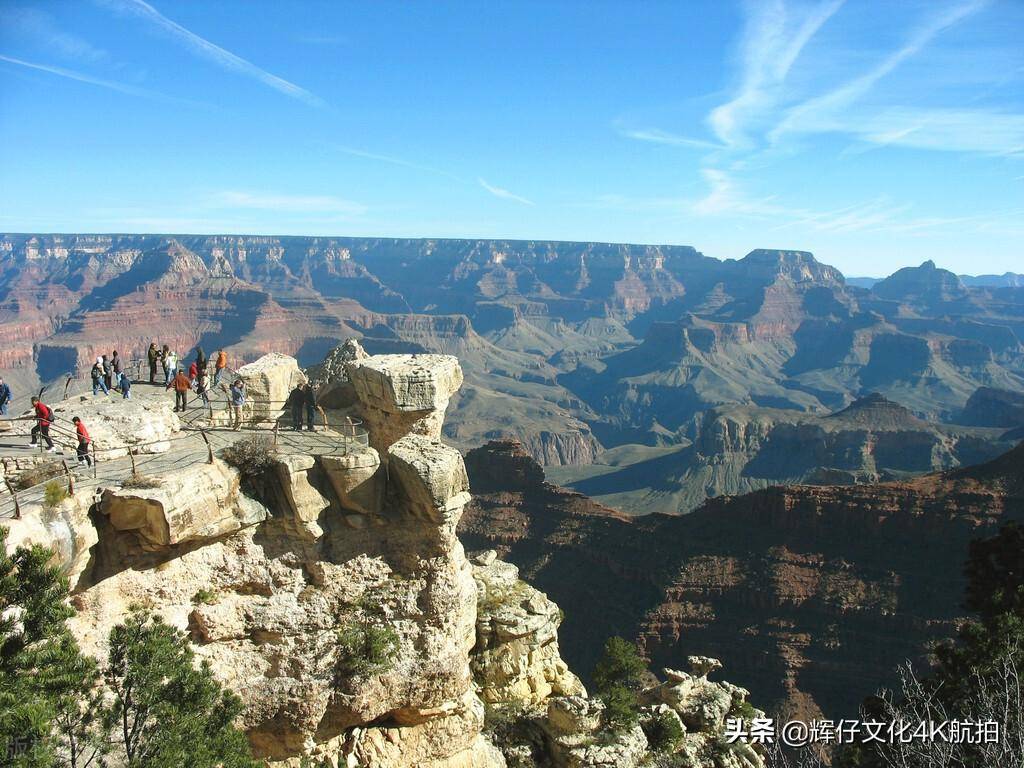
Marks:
<point>568,347</point>
<point>810,595</point>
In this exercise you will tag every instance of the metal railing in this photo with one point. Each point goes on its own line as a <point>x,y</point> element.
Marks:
<point>342,436</point>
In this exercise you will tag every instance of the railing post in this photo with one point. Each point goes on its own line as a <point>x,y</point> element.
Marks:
<point>71,478</point>
<point>131,456</point>
<point>92,445</point>
<point>209,448</point>
<point>14,495</point>
<point>277,425</point>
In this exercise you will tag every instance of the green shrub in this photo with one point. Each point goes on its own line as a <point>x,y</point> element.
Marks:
<point>54,493</point>
<point>365,649</point>
<point>251,456</point>
<point>663,732</point>
<point>204,597</point>
<point>620,665</point>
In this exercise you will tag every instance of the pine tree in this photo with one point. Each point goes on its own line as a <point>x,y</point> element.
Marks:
<point>167,711</point>
<point>618,677</point>
<point>32,615</point>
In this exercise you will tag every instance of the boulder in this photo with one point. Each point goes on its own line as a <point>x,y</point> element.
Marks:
<point>268,382</point>
<point>306,502</point>
<point>402,394</point>
<point>333,389</point>
<point>357,479</point>
<point>429,476</point>
<point>197,502</point>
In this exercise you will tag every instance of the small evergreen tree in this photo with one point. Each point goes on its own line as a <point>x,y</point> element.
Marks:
<point>32,625</point>
<point>168,712</point>
<point>618,677</point>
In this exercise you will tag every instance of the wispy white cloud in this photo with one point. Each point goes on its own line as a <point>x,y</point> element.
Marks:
<point>658,136</point>
<point>212,52</point>
<point>504,193</point>
<point>40,26</point>
<point>392,160</point>
<point>81,77</point>
<point>773,39</point>
<point>946,130</point>
<point>235,199</point>
<point>826,111</point>
<point>727,198</point>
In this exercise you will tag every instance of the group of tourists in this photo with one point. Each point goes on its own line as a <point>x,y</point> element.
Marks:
<point>302,400</point>
<point>197,379</point>
<point>167,359</point>
<point>108,374</point>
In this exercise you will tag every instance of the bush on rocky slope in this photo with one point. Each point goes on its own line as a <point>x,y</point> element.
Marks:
<point>148,705</point>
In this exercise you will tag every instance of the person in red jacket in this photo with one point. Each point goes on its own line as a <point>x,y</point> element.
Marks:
<point>83,442</point>
<point>44,417</point>
<point>193,372</point>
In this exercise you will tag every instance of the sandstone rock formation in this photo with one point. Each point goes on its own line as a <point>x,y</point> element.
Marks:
<point>399,394</point>
<point>280,576</point>
<point>516,658</point>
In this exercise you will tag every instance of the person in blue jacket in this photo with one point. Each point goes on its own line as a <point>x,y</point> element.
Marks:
<point>5,397</point>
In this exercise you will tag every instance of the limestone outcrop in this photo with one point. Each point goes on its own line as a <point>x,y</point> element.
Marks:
<point>117,426</point>
<point>197,503</point>
<point>268,382</point>
<point>64,528</point>
<point>516,658</point>
<point>399,394</point>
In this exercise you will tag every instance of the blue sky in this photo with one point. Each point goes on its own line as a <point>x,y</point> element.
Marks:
<point>875,134</point>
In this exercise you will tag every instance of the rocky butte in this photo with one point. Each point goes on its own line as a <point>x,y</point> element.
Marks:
<point>267,571</point>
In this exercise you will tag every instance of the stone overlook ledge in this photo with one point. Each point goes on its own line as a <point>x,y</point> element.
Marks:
<point>268,571</point>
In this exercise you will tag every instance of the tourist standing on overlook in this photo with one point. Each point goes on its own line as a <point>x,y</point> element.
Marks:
<point>222,363</point>
<point>170,365</point>
<point>200,359</point>
<point>126,387</point>
<point>5,397</point>
<point>153,355</point>
<point>107,372</point>
<point>182,386</point>
<point>118,368</point>
<point>44,418</point>
<point>193,372</point>
<point>309,399</point>
<point>237,401</point>
<point>295,401</point>
<point>83,442</point>
<point>203,386</point>
<point>97,378</point>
